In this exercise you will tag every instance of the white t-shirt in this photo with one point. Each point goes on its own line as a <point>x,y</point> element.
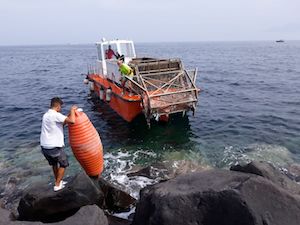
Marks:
<point>52,134</point>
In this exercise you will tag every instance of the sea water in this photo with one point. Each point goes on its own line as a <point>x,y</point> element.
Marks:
<point>248,109</point>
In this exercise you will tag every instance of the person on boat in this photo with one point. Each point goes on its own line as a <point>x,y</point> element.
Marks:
<point>52,139</point>
<point>125,71</point>
<point>109,53</point>
<point>120,57</point>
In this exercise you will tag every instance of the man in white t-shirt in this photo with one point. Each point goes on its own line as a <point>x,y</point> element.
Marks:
<point>52,139</point>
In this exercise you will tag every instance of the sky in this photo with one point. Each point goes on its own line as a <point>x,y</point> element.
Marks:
<point>30,22</point>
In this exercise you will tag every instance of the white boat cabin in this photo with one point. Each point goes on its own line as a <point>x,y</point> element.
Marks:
<point>108,52</point>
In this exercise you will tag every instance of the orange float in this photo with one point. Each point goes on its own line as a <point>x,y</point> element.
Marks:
<point>86,144</point>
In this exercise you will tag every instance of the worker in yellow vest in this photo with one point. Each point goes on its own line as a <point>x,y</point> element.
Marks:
<point>125,71</point>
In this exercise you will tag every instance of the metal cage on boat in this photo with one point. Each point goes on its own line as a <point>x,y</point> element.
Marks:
<point>165,86</point>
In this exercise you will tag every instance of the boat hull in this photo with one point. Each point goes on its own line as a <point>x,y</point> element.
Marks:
<point>126,106</point>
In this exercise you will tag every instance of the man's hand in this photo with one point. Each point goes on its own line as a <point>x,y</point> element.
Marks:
<point>74,107</point>
<point>71,116</point>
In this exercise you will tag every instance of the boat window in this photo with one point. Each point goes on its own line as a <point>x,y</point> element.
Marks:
<point>110,51</point>
<point>127,50</point>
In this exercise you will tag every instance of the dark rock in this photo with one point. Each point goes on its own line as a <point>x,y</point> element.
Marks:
<point>4,216</point>
<point>41,203</point>
<point>116,200</point>
<point>2,205</point>
<point>217,197</point>
<point>294,172</point>
<point>154,171</point>
<point>269,172</point>
<point>87,215</point>
<point>131,216</point>
<point>112,220</point>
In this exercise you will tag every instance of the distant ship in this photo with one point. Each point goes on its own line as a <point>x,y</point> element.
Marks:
<point>280,41</point>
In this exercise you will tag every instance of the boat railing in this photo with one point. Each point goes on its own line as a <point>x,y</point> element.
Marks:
<point>94,69</point>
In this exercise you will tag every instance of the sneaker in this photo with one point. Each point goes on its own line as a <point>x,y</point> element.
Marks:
<point>59,187</point>
<point>64,182</point>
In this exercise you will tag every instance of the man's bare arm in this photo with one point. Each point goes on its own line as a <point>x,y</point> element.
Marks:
<point>71,116</point>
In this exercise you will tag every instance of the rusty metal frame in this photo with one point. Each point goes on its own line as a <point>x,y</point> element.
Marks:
<point>144,78</point>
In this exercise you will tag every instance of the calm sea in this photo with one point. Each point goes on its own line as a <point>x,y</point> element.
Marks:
<point>249,109</point>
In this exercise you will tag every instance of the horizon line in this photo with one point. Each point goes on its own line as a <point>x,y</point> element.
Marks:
<point>142,42</point>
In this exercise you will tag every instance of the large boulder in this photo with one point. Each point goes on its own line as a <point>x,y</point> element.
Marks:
<point>115,200</point>
<point>217,197</point>
<point>4,216</point>
<point>11,194</point>
<point>41,203</point>
<point>269,172</point>
<point>87,215</point>
<point>294,172</point>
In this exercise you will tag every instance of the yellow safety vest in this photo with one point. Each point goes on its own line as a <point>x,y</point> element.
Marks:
<point>126,70</point>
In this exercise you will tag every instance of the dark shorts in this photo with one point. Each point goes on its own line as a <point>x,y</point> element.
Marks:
<point>56,156</point>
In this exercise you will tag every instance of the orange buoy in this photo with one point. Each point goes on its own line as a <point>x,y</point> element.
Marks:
<point>86,144</point>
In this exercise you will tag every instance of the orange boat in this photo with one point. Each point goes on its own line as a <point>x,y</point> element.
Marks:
<point>159,87</point>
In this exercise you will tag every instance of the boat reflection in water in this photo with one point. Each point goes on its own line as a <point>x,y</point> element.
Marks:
<point>117,133</point>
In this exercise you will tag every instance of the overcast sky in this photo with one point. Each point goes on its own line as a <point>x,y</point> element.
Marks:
<point>86,21</point>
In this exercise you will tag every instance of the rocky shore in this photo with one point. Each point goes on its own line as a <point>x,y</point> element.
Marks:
<point>252,194</point>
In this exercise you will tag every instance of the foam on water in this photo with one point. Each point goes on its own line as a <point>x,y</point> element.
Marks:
<point>277,155</point>
<point>118,164</point>
<point>125,215</point>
